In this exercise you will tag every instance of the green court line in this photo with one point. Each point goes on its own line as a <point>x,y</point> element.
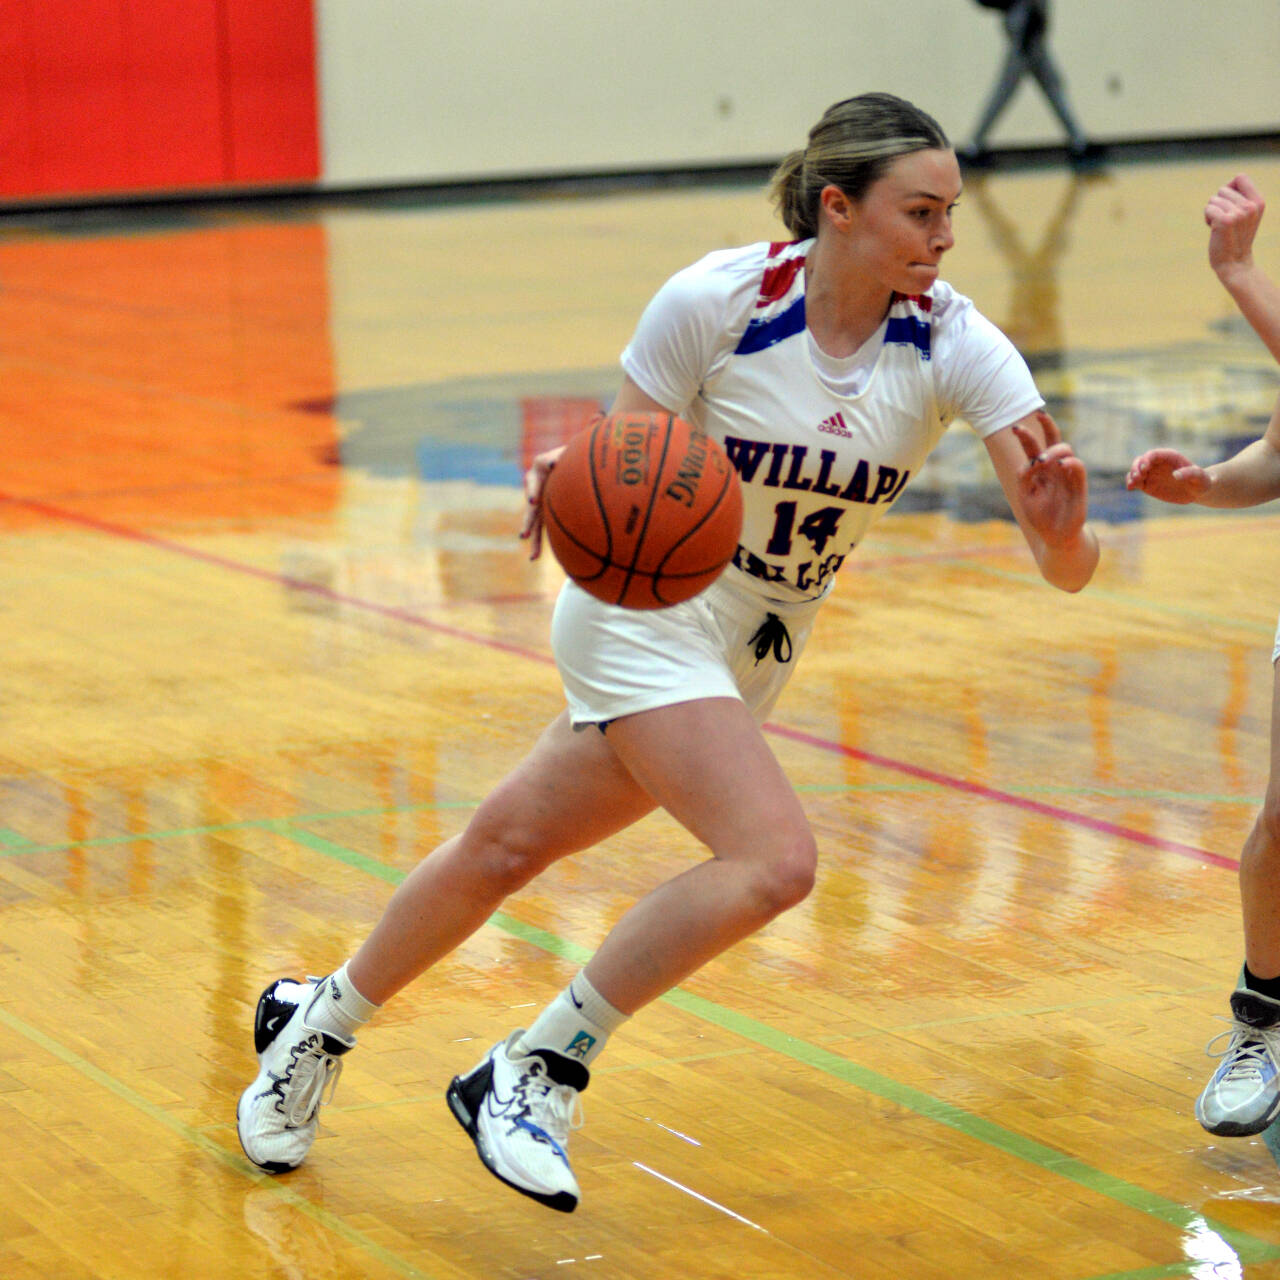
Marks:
<point>13,843</point>
<point>340,853</point>
<point>1248,1248</point>
<point>21,845</point>
<point>1191,1266</point>
<point>230,1160</point>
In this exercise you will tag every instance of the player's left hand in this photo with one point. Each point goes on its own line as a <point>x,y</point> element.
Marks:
<point>1232,216</point>
<point>1054,486</point>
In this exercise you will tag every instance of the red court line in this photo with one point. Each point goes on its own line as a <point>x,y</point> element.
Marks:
<point>269,575</point>
<point>977,789</point>
<point>1100,825</point>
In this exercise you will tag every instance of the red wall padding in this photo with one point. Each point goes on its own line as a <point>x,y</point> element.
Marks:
<point>271,76</point>
<point>152,95</point>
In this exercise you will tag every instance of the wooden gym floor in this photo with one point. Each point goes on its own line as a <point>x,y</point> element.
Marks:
<point>269,638</point>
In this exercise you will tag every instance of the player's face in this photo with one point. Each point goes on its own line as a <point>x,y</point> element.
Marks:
<point>902,225</point>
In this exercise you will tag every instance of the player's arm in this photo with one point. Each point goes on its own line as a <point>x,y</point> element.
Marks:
<point>671,350</point>
<point>1246,479</point>
<point>1048,491</point>
<point>630,399</point>
<point>981,377</point>
<point>1233,215</point>
<point>1251,476</point>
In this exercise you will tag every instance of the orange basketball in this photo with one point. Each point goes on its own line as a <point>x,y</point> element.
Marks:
<point>643,510</point>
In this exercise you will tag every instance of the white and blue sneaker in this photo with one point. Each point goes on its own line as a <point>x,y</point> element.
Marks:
<point>278,1114</point>
<point>519,1112</point>
<point>1243,1095</point>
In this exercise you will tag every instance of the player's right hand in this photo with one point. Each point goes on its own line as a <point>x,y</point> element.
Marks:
<point>1168,475</point>
<point>535,480</point>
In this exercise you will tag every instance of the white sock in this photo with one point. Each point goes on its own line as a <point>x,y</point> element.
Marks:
<point>339,1008</point>
<point>576,1023</point>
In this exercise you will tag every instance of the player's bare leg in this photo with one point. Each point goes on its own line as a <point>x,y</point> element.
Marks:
<point>1243,1095</point>
<point>707,763</point>
<point>569,792</point>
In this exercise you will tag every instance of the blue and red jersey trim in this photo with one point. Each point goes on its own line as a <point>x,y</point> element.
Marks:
<point>779,309</point>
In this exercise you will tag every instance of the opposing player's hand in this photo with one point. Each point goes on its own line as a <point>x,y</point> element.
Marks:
<point>1168,475</point>
<point>1233,215</point>
<point>535,480</point>
<point>1054,486</point>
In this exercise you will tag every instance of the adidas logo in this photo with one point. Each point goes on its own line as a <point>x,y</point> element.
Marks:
<point>834,426</point>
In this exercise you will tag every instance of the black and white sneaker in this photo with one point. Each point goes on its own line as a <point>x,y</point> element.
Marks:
<point>278,1114</point>
<point>519,1111</point>
<point>1243,1094</point>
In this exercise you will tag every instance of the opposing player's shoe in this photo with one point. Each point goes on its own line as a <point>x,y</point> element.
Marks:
<point>519,1112</point>
<point>1243,1095</point>
<point>279,1112</point>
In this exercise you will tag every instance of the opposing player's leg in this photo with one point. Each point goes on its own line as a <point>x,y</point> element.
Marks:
<point>1243,1095</point>
<point>706,763</point>
<point>569,793</point>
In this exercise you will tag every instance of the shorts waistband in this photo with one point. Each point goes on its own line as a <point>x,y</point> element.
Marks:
<point>747,609</point>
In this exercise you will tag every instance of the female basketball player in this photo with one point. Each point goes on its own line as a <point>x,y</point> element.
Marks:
<point>1243,1095</point>
<point>829,368</point>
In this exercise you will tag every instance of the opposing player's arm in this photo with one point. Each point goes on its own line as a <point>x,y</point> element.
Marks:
<point>1048,491</point>
<point>1246,479</point>
<point>1233,216</point>
<point>1251,476</point>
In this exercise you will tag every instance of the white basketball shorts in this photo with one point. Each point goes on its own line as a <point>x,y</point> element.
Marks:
<point>615,662</point>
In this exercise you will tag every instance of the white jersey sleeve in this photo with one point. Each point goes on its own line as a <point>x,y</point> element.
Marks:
<point>692,325</point>
<point>981,376</point>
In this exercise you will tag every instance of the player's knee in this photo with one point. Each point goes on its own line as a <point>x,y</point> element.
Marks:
<point>505,858</point>
<point>787,878</point>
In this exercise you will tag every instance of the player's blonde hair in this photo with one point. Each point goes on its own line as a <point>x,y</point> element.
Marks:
<point>850,147</point>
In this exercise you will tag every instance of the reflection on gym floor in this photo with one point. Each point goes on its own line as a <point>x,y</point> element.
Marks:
<point>270,638</point>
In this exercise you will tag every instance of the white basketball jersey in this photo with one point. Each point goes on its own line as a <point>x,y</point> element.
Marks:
<point>821,457</point>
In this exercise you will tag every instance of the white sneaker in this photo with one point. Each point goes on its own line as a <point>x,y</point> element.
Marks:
<point>278,1114</point>
<point>1243,1095</point>
<point>519,1111</point>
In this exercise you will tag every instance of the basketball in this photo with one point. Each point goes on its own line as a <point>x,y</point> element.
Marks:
<point>642,510</point>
